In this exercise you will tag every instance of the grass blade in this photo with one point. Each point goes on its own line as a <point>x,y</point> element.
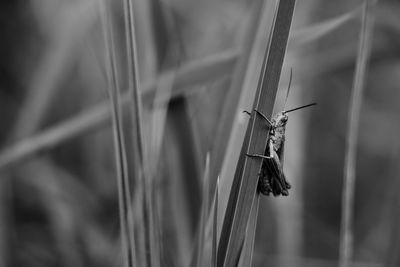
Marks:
<point>246,175</point>
<point>320,29</point>
<point>71,28</point>
<point>215,226</point>
<point>143,173</point>
<point>133,78</point>
<point>346,228</point>
<point>198,256</point>
<point>244,69</point>
<point>248,88</point>
<point>158,121</point>
<point>247,253</point>
<point>158,118</point>
<point>125,204</point>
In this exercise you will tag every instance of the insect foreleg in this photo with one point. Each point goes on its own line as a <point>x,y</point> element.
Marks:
<point>258,156</point>
<point>264,117</point>
<point>259,113</point>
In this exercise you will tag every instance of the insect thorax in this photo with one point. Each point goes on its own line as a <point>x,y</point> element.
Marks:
<point>277,134</point>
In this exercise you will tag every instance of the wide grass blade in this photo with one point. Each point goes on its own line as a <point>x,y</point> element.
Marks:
<point>346,228</point>
<point>248,247</point>
<point>255,47</point>
<point>259,44</point>
<point>124,194</point>
<point>246,176</point>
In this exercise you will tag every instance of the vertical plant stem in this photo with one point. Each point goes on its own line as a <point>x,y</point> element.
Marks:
<point>125,204</point>
<point>199,255</point>
<point>143,172</point>
<point>248,88</point>
<point>244,68</point>
<point>133,76</point>
<point>346,235</point>
<point>247,254</point>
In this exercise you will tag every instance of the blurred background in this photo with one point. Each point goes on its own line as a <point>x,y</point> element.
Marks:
<point>58,187</point>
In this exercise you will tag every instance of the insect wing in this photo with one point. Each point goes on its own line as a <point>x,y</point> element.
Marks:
<point>281,152</point>
<point>264,186</point>
<point>276,176</point>
<point>272,179</point>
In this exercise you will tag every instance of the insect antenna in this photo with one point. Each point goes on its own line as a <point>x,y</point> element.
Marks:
<point>287,96</point>
<point>305,106</point>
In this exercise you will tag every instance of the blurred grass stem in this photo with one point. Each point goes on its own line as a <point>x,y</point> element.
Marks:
<point>196,72</point>
<point>133,75</point>
<point>346,231</point>
<point>143,174</point>
<point>125,203</point>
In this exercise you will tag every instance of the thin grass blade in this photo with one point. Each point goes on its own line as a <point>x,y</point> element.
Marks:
<point>57,61</point>
<point>125,204</point>
<point>215,226</point>
<point>158,118</point>
<point>198,257</point>
<point>346,228</point>
<point>133,78</point>
<point>141,153</point>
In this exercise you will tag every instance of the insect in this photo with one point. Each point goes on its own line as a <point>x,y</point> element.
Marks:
<point>272,178</point>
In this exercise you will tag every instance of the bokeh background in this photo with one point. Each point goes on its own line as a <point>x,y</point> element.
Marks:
<point>58,188</point>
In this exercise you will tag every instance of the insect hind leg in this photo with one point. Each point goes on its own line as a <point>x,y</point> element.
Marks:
<point>263,186</point>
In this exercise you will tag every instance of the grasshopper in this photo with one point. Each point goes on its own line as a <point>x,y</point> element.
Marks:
<point>272,178</point>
